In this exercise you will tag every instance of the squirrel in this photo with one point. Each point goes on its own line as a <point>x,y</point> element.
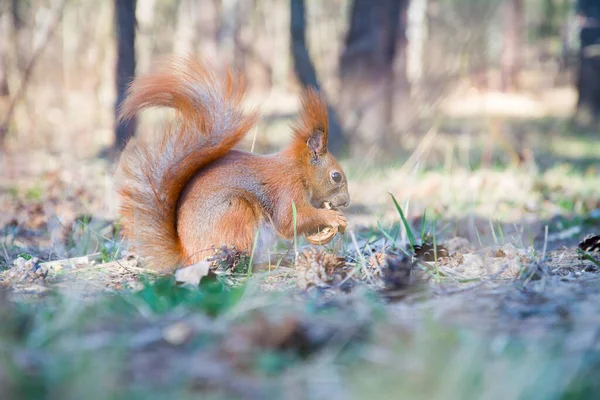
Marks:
<point>188,192</point>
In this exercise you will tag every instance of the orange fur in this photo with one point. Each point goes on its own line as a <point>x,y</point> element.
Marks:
<point>189,191</point>
<point>313,117</point>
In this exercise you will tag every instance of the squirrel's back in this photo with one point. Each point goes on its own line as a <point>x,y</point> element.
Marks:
<point>152,174</point>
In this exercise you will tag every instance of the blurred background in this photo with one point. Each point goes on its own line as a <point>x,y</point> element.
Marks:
<point>460,89</point>
<point>391,69</point>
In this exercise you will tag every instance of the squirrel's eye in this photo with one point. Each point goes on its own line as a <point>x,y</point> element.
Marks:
<point>336,176</point>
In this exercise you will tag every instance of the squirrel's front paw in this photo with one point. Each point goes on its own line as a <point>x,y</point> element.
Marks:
<point>336,219</point>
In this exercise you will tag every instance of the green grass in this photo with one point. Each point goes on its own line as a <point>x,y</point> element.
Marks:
<point>110,247</point>
<point>35,193</point>
<point>94,343</point>
<point>409,233</point>
<point>351,349</point>
<point>460,364</point>
<point>250,262</point>
<point>163,296</point>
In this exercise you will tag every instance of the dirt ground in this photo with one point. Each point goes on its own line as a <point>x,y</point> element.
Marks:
<point>495,301</point>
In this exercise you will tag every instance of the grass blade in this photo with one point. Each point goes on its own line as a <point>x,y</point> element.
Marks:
<point>387,235</point>
<point>588,257</point>
<point>295,216</point>
<point>253,250</point>
<point>493,232</point>
<point>501,233</point>
<point>435,254</point>
<point>409,233</point>
<point>423,224</point>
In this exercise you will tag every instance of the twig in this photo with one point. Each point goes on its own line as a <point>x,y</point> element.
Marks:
<point>475,285</point>
<point>545,242</point>
<point>132,269</point>
<point>29,69</point>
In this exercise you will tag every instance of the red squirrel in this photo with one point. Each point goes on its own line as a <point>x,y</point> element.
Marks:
<point>188,192</point>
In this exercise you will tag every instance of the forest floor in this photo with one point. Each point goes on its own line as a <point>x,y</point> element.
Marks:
<point>478,290</point>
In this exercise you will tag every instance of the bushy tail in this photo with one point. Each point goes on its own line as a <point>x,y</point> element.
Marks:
<point>151,175</point>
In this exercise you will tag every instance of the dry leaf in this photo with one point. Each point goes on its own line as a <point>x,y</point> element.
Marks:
<point>193,274</point>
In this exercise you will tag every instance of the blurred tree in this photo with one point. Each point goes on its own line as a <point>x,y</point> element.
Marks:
<point>10,27</point>
<point>548,26</point>
<point>20,40</point>
<point>43,33</point>
<point>4,47</point>
<point>371,76</point>
<point>187,26</point>
<point>510,59</point>
<point>588,82</point>
<point>229,26</point>
<point>197,28</point>
<point>305,70</point>
<point>416,32</point>
<point>125,26</point>
<point>146,14</point>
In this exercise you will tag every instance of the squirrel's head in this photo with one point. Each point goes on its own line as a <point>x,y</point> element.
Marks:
<point>327,184</point>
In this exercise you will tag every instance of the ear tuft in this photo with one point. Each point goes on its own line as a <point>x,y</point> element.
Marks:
<point>316,144</point>
<point>310,131</point>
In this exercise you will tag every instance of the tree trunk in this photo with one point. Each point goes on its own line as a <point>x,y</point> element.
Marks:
<point>305,70</point>
<point>228,30</point>
<point>588,80</point>
<point>512,46</point>
<point>367,74</point>
<point>125,25</point>
<point>197,28</point>
<point>186,32</point>
<point>4,50</point>
<point>145,13</point>
<point>416,28</point>
<point>20,43</point>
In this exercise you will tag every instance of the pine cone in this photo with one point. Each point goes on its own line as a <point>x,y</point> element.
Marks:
<point>393,272</point>
<point>316,267</point>
<point>428,253</point>
<point>398,273</point>
<point>375,264</point>
<point>229,260</point>
<point>590,243</point>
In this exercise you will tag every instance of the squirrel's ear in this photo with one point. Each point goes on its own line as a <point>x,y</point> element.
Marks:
<point>317,144</point>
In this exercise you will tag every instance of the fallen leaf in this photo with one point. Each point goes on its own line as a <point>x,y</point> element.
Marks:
<point>193,274</point>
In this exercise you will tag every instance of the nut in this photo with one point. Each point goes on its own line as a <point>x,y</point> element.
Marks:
<point>322,237</point>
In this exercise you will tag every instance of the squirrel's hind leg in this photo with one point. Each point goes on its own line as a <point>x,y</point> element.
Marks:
<point>235,227</point>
